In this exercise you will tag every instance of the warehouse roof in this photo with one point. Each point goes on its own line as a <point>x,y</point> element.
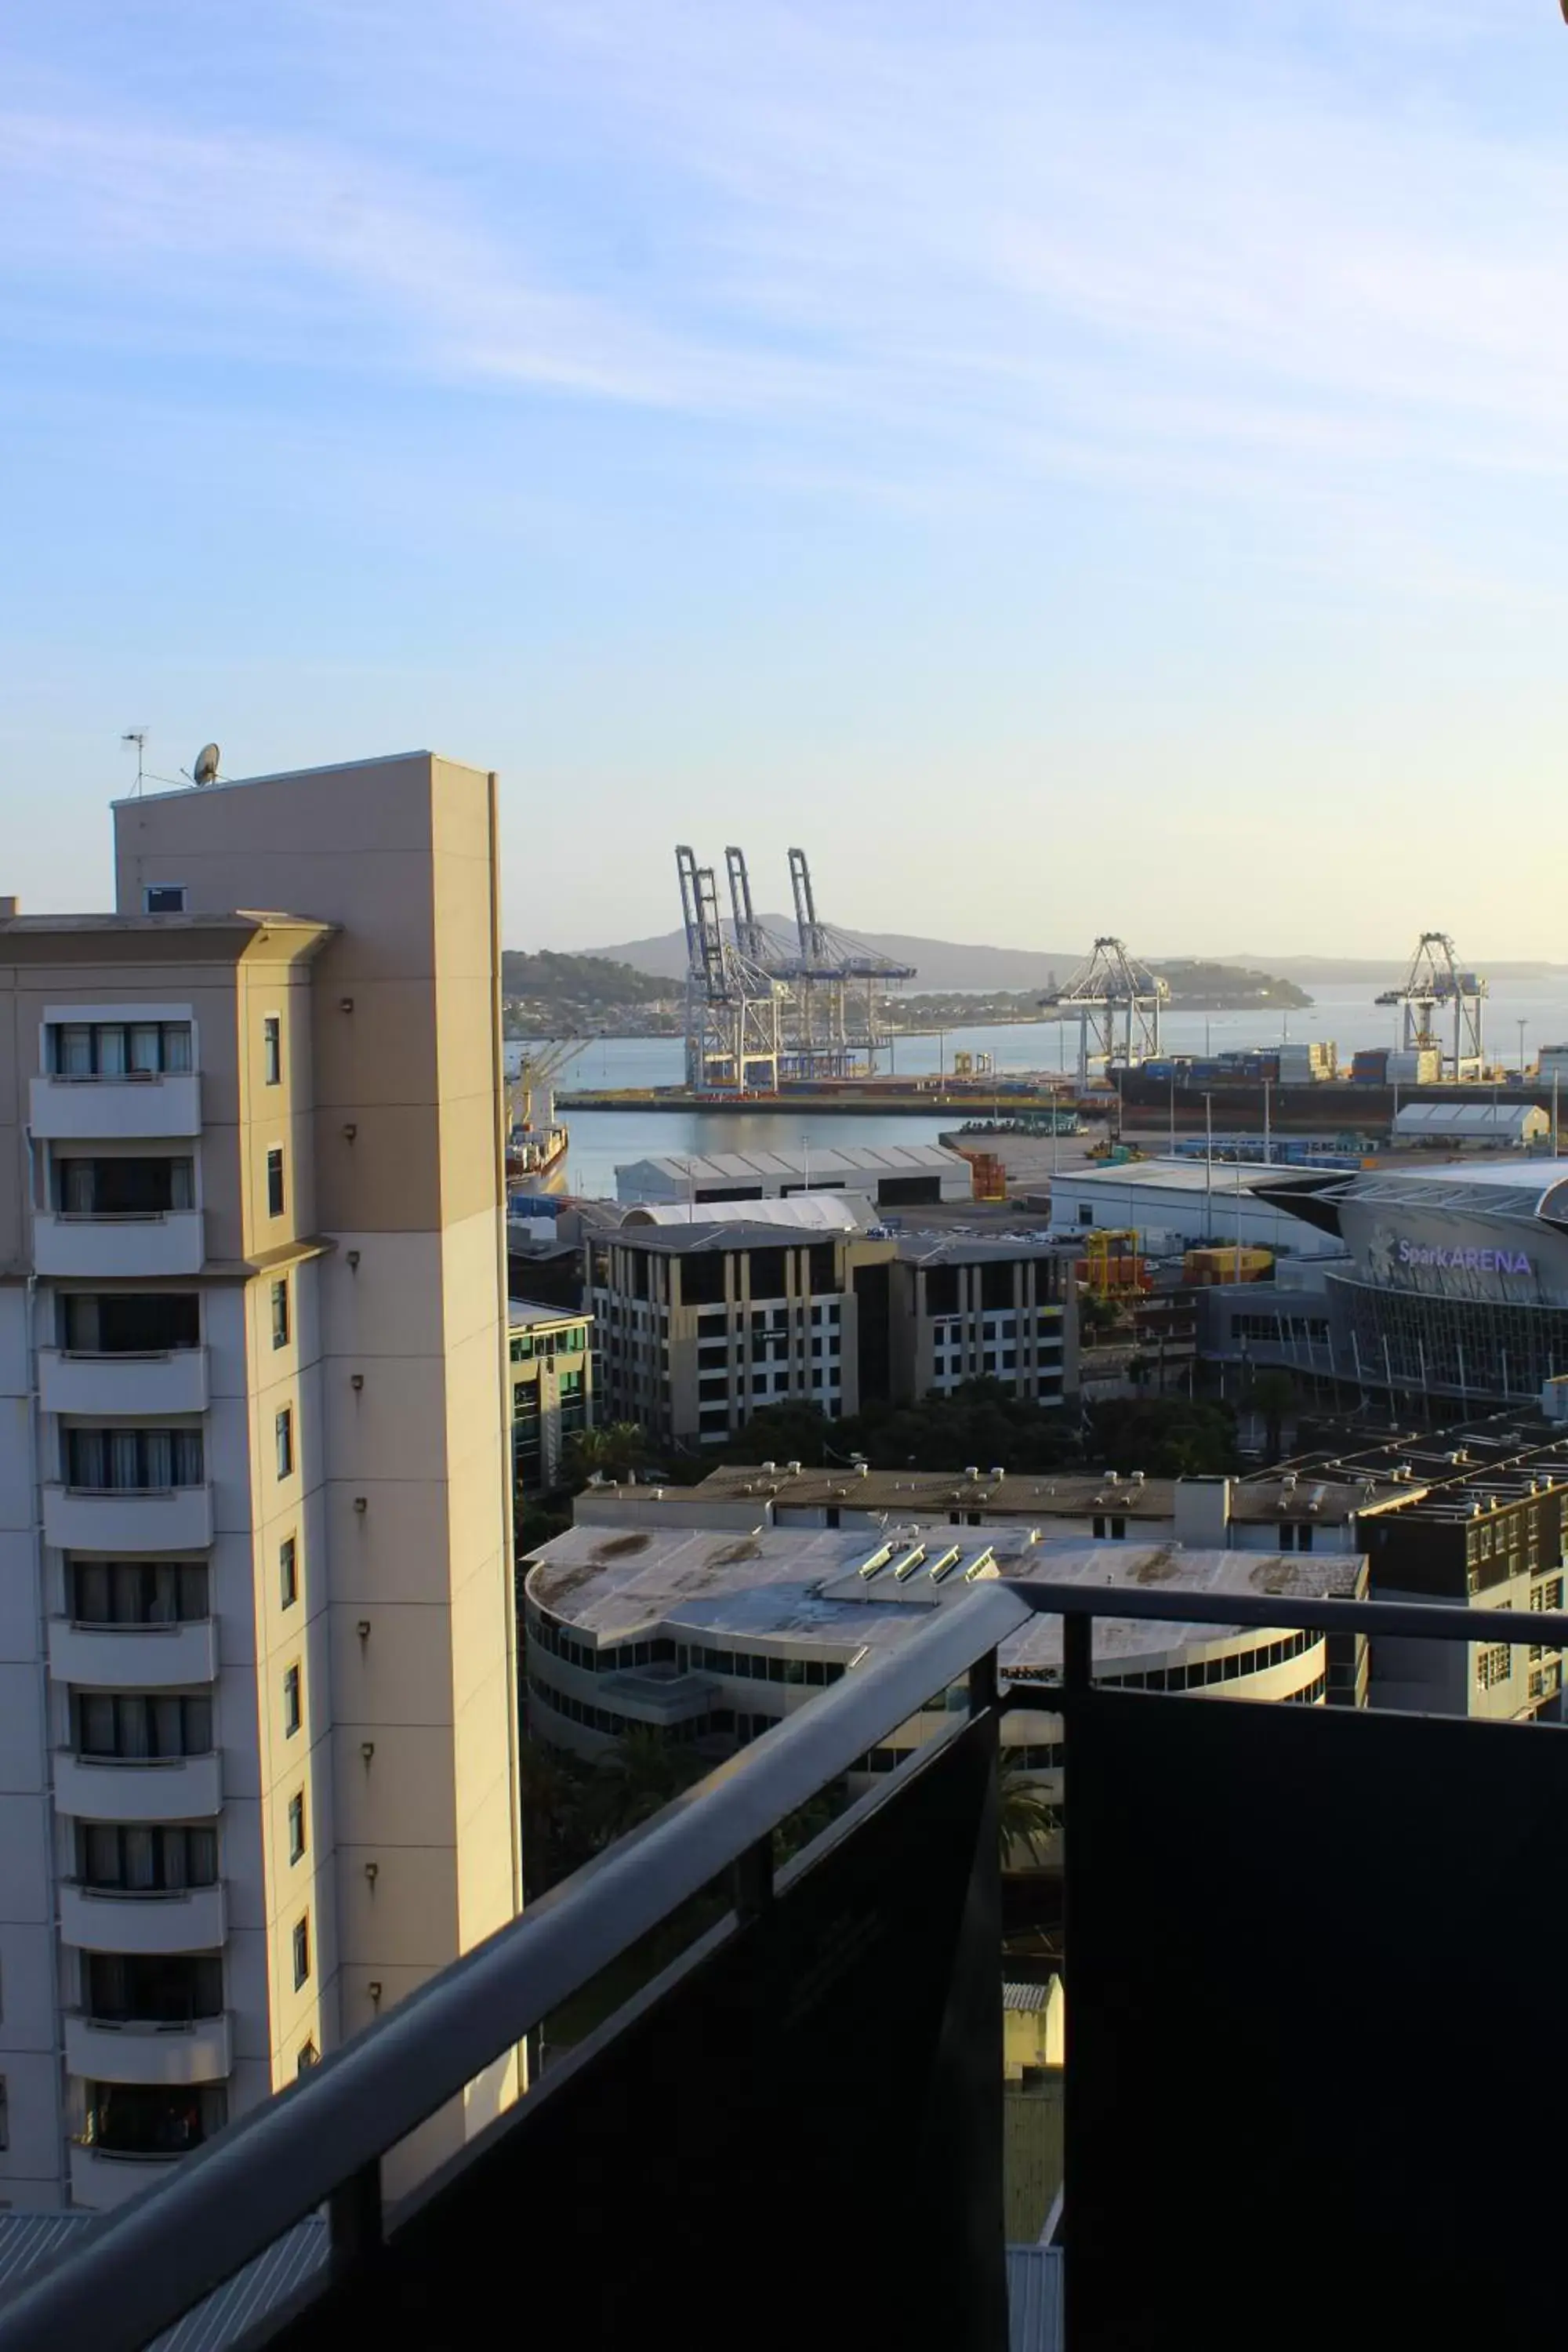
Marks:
<point>825,1160</point>
<point>1470,1117</point>
<point>841,1212</point>
<point>1180,1175</point>
<point>1015,1496</point>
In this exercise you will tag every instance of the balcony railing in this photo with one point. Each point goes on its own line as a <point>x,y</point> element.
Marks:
<point>169,2053</point>
<point>121,1519</point>
<point>133,1657</point>
<point>141,1384</point>
<point>1271,1912</point>
<point>130,1245</point>
<point>144,1106</point>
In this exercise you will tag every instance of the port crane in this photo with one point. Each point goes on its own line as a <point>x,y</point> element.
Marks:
<point>1435,986</point>
<point>838,1025</point>
<point>1111,993</point>
<point>733,1003</point>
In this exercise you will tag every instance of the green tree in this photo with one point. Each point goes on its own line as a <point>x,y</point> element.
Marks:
<point>1025,1815</point>
<point>642,1774</point>
<point>614,1450</point>
<point>1272,1394</point>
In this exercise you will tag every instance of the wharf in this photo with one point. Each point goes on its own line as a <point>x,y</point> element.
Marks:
<point>847,1101</point>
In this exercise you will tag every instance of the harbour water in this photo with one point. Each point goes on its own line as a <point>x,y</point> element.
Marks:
<point>1341,1010</point>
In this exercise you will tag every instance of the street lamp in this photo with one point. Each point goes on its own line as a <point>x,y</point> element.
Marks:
<point>1520,1024</point>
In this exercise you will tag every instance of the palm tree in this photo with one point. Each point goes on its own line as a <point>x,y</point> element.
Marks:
<point>615,1449</point>
<point>1025,1816</point>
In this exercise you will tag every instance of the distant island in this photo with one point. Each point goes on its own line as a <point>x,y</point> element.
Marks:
<point>1195,987</point>
<point>551,996</point>
<point>555,995</point>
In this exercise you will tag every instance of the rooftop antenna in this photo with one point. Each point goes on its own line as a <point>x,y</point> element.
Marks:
<point>138,735</point>
<point>206,770</point>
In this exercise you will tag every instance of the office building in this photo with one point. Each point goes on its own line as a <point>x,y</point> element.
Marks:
<point>972,1305</point>
<point>699,1324</point>
<point>708,1640</point>
<point>256,1669</point>
<point>551,1356</point>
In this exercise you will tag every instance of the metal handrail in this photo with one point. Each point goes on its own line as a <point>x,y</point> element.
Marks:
<point>159,2255</point>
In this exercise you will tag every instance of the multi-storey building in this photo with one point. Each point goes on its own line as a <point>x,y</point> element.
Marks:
<point>976,1306</point>
<point>699,1324</point>
<point>552,1391</point>
<point>257,1673</point>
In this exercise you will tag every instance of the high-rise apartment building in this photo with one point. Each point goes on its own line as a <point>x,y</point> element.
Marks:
<point>256,1651</point>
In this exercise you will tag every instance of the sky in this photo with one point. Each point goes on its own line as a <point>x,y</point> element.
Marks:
<point>1075,465</point>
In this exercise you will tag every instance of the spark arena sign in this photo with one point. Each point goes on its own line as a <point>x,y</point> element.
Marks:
<point>1463,1261</point>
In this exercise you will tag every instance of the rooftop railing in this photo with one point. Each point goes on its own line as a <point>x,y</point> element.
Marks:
<point>1314,1960</point>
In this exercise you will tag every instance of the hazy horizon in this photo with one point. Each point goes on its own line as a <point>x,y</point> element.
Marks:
<point>1076,469</point>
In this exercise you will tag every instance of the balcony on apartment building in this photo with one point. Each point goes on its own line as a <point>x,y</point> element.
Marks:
<point>139,1757</point>
<point>131,1217</point>
<point>124,1352</point>
<point>116,1081</point>
<point>129,1490</point>
<point>150,2018</point>
<point>134,2132</point>
<point>795,2128</point>
<point>134,1624</point>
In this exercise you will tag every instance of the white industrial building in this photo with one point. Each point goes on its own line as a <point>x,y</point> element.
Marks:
<point>1499,1126</point>
<point>893,1175</point>
<point>1180,1204</point>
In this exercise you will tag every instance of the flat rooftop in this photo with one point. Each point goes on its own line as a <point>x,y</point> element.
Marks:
<point>859,1593</point>
<point>524,1314</point>
<point>1061,1493</point>
<point>1229,1176</point>
<point>828,1160</point>
<point>1458,1471</point>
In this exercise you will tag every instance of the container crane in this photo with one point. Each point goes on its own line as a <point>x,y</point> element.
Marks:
<point>1111,991</point>
<point>837,1027</point>
<point>1435,985</point>
<point>732,1003</point>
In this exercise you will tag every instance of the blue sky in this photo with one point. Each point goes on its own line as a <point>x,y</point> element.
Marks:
<point>1076,468</point>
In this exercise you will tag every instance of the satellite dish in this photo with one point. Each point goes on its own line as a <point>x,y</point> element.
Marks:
<point>206,770</point>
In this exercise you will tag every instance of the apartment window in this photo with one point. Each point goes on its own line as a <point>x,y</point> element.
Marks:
<point>138,1592</point>
<point>132,1460</point>
<point>291,1702</point>
<point>129,1323</point>
<point>163,898</point>
<point>119,1049</point>
<point>143,1727</point>
<point>283,1436</point>
<point>136,1861</point>
<point>152,1988</point>
<point>272,1050</point>
<point>275,1181</point>
<point>302,1951</point>
<point>135,2119</point>
<point>1547,1594</point>
<point>280,1313</point>
<point>121,1188</point>
<point>1494,1664</point>
<point>287,1573</point>
<point>296,1828</point>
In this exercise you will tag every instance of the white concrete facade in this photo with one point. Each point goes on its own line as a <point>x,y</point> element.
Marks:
<point>257,1644</point>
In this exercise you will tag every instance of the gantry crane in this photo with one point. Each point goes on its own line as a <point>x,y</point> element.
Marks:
<point>1434,984</point>
<point>732,1003</point>
<point>837,1026</point>
<point>1110,991</point>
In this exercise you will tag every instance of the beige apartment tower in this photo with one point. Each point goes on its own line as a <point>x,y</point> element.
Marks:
<point>257,1644</point>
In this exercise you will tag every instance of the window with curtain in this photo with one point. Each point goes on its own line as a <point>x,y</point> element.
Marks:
<point>116,1049</point>
<point>133,1860</point>
<point>123,1188</point>
<point>137,1726</point>
<point>138,1592</point>
<point>121,1460</point>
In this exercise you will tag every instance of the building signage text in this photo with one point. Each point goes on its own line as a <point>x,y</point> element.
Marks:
<point>1464,1260</point>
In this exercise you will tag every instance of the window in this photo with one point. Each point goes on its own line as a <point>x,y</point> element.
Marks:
<point>272,1050</point>
<point>302,1951</point>
<point>131,1323</point>
<point>138,1592</point>
<point>287,1573</point>
<point>296,1827</point>
<point>163,898</point>
<point>118,1049</point>
<point>121,1188</point>
<point>1547,1594</point>
<point>280,1313</point>
<point>152,1988</point>
<point>291,1702</point>
<point>136,1861</point>
<point>121,1460</point>
<point>143,1727</point>
<point>283,1436</point>
<point>275,1180</point>
<point>1494,1664</point>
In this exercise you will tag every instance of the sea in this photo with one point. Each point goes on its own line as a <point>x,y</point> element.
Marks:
<point>1341,1010</point>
